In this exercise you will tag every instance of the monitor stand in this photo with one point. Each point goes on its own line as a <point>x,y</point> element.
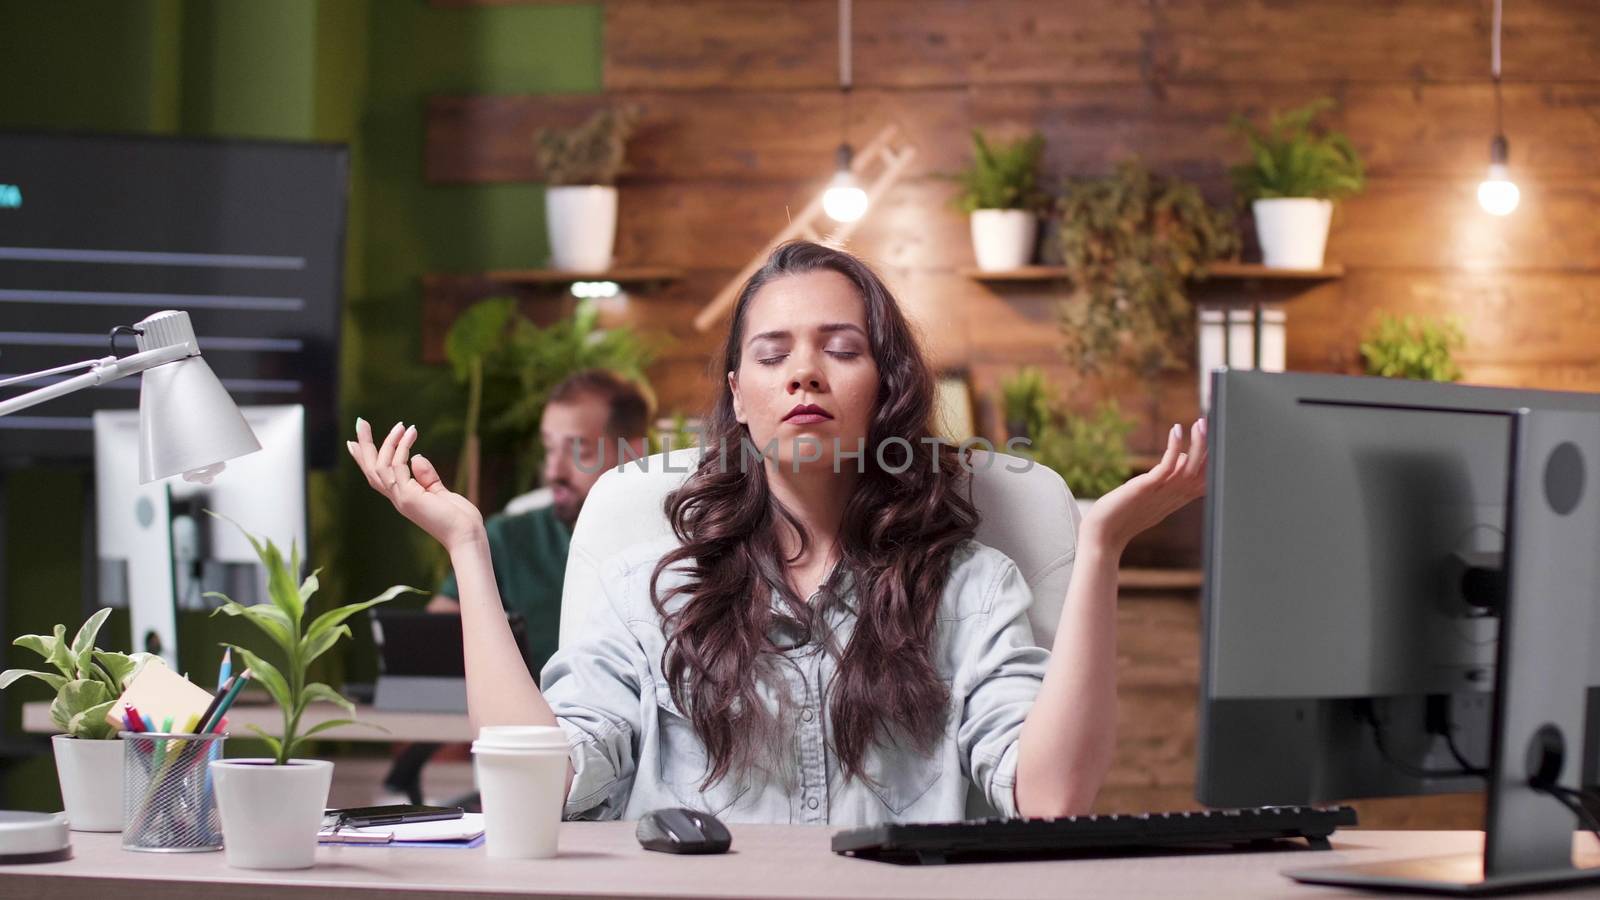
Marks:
<point>1541,674</point>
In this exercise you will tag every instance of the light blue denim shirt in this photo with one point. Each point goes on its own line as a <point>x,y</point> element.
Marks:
<point>634,751</point>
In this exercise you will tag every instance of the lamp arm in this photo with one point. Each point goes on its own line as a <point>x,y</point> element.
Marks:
<point>103,371</point>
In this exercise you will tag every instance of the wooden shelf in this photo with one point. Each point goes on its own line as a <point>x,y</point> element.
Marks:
<point>1218,271</point>
<point>1160,579</point>
<point>622,275</point>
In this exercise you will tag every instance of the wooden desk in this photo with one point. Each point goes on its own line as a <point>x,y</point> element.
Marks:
<point>776,861</point>
<point>399,726</point>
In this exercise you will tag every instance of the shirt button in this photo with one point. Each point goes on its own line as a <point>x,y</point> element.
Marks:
<point>806,715</point>
<point>811,803</point>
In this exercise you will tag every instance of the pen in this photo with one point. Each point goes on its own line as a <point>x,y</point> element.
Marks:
<point>132,718</point>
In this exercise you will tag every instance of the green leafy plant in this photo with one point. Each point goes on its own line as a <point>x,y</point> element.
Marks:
<point>510,365</point>
<point>1025,398</point>
<point>283,621</point>
<point>1089,451</point>
<point>1002,176</point>
<point>1290,159</point>
<point>89,682</point>
<point>591,153</point>
<point>1130,242</point>
<point>1417,348</point>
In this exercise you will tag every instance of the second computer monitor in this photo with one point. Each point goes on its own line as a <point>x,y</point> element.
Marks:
<point>1354,537</point>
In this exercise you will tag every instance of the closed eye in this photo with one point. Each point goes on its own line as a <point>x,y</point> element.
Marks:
<point>772,360</point>
<point>843,354</point>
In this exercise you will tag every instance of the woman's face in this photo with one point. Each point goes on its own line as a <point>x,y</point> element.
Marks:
<point>805,342</point>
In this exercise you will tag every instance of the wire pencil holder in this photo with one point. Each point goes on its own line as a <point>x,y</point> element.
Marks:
<point>168,802</point>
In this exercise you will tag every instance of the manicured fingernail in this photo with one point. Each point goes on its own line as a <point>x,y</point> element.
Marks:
<point>411,429</point>
<point>397,427</point>
<point>1177,431</point>
<point>361,423</point>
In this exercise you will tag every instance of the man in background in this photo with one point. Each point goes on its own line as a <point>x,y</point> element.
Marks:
<point>593,421</point>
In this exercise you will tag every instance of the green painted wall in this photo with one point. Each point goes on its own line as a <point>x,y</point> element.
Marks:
<point>352,71</point>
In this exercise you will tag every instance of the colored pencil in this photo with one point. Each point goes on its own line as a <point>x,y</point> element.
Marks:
<point>227,700</point>
<point>212,706</point>
<point>225,671</point>
<point>132,718</point>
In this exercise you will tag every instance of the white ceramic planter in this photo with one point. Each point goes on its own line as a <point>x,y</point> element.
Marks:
<point>582,223</point>
<point>1293,231</point>
<point>271,814</point>
<point>1003,238</point>
<point>90,773</point>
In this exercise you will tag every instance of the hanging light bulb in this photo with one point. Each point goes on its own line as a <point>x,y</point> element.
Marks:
<point>844,200</point>
<point>1498,194</point>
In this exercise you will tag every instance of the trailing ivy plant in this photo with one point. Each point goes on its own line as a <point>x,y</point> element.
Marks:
<point>1001,176</point>
<point>1289,158</point>
<point>591,153</point>
<point>88,681</point>
<point>283,621</point>
<point>1130,242</point>
<point>1416,348</point>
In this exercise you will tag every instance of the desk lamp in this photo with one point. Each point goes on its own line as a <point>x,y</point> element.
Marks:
<point>188,425</point>
<point>187,422</point>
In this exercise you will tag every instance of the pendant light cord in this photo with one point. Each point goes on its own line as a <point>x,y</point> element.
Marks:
<point>846,77</point>
<point>1500,127</point>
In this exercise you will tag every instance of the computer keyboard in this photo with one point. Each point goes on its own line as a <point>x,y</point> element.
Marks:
<point>987,840</point>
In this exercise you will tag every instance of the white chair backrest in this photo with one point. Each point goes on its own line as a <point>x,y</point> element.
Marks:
<point>1028,515</point>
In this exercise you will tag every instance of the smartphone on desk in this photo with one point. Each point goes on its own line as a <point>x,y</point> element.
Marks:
<point>398,814</point>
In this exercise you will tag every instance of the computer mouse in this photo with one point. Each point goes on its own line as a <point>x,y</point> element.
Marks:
<point>682,831</point>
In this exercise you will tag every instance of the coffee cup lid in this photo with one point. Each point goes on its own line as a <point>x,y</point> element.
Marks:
<point>520,737</point>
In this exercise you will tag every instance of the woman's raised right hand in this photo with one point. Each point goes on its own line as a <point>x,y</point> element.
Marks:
<point>413,485</point>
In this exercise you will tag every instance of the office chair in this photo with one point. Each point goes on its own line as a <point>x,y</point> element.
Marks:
<point>1029,516</point>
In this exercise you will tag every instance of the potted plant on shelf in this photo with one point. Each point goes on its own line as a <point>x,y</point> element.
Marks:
<point>1292,179</point>
<point>88,754</point>
<point>1417,348</point>
<point>580,200</point>
<point>999,192</point>
<point>271,809</point>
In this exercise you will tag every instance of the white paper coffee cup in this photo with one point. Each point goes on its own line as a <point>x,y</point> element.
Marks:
<point>522,777</point>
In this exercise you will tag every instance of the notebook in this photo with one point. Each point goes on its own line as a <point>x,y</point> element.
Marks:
<point>462,831</point>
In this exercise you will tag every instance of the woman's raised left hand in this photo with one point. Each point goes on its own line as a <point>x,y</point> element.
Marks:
<point>1145,500</point>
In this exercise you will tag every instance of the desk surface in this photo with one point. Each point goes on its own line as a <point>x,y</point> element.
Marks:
<point>398,726</point>
<point>776,861</point>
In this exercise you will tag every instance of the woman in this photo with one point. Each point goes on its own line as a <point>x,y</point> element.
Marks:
<point>822,640</point>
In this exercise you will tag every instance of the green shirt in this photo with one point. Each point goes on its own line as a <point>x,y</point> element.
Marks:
<point>529,553</point>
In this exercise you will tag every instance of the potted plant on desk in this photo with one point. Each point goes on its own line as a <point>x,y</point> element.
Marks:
<point>272,808</point>
<point>88,754</point>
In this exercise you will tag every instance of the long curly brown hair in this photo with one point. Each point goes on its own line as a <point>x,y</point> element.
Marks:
<point>901,525</point>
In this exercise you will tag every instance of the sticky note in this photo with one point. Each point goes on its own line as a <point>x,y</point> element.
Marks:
<point>160,693</point>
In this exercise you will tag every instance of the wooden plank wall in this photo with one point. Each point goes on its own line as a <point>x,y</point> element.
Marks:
<point>741,117</point>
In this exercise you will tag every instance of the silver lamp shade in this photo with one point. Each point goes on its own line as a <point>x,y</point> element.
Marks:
<point>187,421</point>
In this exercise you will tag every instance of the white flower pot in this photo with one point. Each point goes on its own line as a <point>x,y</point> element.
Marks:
<point>90,773</point>
<point>271,814</point>
<point>1003,238</point>
<point>582,223</point>
<point>1293,231</point>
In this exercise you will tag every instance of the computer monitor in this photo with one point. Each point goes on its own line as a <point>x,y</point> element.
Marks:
<point>1367,543</point>
<point>157,548</point>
